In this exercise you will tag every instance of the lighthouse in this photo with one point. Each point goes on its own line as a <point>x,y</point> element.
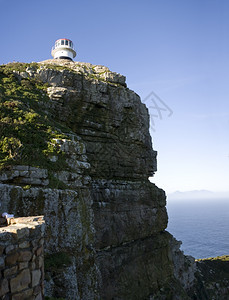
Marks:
<point>63,49</point>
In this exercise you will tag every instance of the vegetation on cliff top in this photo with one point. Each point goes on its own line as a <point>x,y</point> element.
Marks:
<point>26,129</point>
<point>212,278</point>
<point>214,268</point>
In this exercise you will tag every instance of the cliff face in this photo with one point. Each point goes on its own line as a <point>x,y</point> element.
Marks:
<point>76,147</point>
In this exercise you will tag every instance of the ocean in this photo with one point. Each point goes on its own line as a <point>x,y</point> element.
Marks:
<point>201,225</point>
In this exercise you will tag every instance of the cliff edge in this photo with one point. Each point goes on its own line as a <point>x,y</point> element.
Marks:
<point>76,147</point>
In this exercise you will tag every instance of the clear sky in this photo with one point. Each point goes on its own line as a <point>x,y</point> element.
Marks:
<point>178,49</point>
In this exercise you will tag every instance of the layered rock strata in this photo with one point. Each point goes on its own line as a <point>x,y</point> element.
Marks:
<point>105,222</point>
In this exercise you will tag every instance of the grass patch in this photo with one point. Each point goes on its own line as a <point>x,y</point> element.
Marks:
<point>57,261</point>
<point>217,258</point>
<point>214,268</point>
<point>26,128</point>
<point>19,67</point>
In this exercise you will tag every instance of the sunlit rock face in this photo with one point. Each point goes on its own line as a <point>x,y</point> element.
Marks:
<point>105,222</point>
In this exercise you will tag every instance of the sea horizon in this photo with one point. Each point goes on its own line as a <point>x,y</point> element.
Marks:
<point>201,224</point>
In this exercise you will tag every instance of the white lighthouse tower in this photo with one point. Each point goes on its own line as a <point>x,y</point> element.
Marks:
<point>63,49</point>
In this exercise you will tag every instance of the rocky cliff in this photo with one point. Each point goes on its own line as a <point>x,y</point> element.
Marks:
<point>75,146</point>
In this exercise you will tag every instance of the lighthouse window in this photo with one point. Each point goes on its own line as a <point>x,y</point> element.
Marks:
<point>66,42</point>
<point>62,42</point>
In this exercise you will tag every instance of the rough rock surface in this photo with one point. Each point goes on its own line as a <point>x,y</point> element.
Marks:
<point>22,259</point>
<point>105,222</point>
<point>213,278</point>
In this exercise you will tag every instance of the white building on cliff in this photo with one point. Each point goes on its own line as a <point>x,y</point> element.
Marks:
<point>63,49</point>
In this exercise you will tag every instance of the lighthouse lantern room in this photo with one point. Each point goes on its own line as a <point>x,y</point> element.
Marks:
<point>63,49</point>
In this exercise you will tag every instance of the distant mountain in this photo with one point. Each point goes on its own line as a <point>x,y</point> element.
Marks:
<point>198,194</point>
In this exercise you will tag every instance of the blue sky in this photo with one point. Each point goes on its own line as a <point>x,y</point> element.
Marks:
<point>178,49</point>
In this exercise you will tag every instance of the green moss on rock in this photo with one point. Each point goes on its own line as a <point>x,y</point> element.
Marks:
<point>57,261</point>
<point>19,67</point>
<point>26,129</point>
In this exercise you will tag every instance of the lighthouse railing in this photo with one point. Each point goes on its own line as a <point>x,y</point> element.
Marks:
<point>62,46</point>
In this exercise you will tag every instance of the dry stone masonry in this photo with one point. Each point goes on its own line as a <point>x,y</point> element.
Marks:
<point>22,259</point>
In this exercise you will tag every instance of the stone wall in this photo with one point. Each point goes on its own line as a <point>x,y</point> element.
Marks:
<point>22,261</point>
